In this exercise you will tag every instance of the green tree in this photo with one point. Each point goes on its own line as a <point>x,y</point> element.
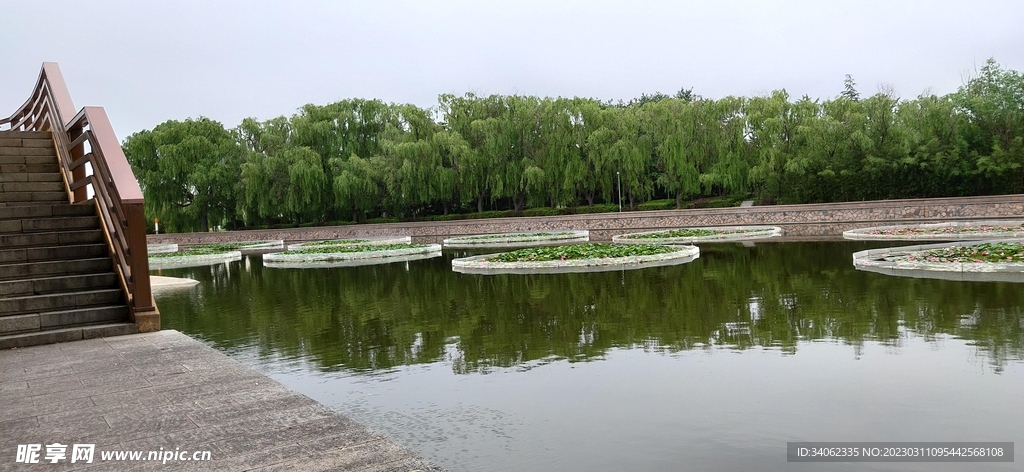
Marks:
<point>189,171</point>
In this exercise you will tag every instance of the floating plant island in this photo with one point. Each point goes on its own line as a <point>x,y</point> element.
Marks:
<point>349,242</point>
<point>199,255</point>
<point>350,255</point>
<point>718,234</point>
<point>589,257</point>
<point>949,231</point>
<point>992,261</point>
<point>505,240</point>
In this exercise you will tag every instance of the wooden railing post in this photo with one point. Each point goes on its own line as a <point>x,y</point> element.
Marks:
<point>77,173</point>
<point>144,312</point>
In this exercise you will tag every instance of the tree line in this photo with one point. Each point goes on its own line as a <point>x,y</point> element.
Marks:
<point>357,160</point>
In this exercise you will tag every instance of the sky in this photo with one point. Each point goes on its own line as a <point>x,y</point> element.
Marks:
<point>146,62</point>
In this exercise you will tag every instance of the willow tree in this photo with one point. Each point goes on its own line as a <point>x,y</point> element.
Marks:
<point>676,127</point>
<point>357,185</point>
<point>189,171</point>
<point>265,182</point>
<point>307,183</point>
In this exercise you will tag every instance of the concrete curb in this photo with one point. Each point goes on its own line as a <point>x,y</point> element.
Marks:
<point>962,234</point>
<point>479,265</point>
<point>524,239</point>
<point>760,232</point>
<point>871,260</point>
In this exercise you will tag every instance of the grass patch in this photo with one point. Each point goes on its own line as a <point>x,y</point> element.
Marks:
<point>987,252</point>
<point>690,233</point>
<point>356,248</point>
<point>336,242</point>
<point>581,251</point>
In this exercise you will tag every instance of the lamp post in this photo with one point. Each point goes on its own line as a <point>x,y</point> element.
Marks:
<point>619,178</point>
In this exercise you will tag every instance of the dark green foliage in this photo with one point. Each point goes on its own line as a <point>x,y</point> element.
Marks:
<point>581,251</point>
<point>499,156</point>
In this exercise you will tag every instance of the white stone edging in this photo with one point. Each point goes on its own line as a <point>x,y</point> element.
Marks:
<point>161,284</point>
<point>862,234</point>
<point>760,232</point>
<point>523,239</point>
<point>341,242</point>
<point>480,265</point>
<point>161,248</point>
<point>348,256</point>
<point>349,262</point>
<point>871,260</point>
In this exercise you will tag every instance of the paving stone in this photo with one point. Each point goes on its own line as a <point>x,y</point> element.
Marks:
<point>147,391</point>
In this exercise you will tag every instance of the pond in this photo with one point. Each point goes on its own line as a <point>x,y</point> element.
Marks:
<point>710,365</point>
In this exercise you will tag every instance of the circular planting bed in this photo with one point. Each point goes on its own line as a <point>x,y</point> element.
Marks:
<point>161,248</point>
<point>1000,260</point>
<point>950,231</point>
<point>576,258</point>
<point>536,238</point>
<point>717,234</point>
<point>203,254</point>
<point>349,242</point>
<point>350,255</point>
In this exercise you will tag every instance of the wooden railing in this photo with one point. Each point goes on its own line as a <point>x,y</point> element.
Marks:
<point>95,168</point>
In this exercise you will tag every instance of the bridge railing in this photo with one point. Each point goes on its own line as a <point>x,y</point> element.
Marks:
<point>94,167</point>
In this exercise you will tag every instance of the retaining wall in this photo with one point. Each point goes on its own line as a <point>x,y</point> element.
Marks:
<point>814,221</point>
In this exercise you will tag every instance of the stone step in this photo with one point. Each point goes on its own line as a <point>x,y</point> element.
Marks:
<point>29,168</point>
<point>66,283</point>
<point>33,197</point>
<point>32,177</point>
<point>46,210</point>
<point>62,335</point>
<point>15,324</point>
<point>59,301</point>
<point>50,152</point>
<point>54,268</point>
<point>25,156</point>
<point>39,225</point>
<point>62,238</point>
<point>52,253</point>
<point>32,186</point>
<point>26,135</point>
<point>6,141</point>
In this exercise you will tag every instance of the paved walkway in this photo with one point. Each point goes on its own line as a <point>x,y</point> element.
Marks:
<point>166,390</point>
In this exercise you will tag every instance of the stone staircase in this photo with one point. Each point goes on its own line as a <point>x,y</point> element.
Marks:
<point>57,281</point>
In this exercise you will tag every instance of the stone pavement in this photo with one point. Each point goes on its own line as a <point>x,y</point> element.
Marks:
<point>164,390</point>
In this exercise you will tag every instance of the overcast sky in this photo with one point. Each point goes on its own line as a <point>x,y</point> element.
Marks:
<point>150,61</point>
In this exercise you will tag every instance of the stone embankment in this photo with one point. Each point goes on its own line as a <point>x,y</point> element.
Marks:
<point>815,221</point>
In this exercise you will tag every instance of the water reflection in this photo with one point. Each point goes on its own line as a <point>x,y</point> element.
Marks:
<point>775,295</point>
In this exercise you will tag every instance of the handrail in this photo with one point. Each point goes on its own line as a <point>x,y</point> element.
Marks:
<point>90,158</point>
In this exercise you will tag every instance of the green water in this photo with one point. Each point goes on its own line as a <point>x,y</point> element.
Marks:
<point>711,365</point>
